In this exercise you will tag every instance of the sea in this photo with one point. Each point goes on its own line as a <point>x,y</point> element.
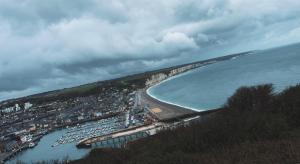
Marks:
<point>210,86</point>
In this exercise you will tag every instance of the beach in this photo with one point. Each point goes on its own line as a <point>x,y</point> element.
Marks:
<point>162,110</point>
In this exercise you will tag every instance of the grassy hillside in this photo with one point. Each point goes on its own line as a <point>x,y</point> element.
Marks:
<point>255,126</point>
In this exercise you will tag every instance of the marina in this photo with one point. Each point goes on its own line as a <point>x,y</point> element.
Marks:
<point>122,136</point>
<point>93,129</point>
<point>60,144</point>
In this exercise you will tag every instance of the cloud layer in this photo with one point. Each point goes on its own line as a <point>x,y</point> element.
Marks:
<point>54,44</point>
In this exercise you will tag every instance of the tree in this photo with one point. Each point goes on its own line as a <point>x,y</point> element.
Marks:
<point>251,98</point>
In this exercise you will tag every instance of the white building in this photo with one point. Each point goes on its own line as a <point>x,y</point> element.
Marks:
<point>27,105</point>
<point>17,107</point>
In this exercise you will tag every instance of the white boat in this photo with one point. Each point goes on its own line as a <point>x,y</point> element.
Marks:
<point>31,145</point>
<point>55,144</point>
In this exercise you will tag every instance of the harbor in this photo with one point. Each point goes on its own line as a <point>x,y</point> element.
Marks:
<point>122,136</point>
<point>93,129</point>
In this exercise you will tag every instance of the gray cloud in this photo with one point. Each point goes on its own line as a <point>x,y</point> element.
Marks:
<point>54,44</point>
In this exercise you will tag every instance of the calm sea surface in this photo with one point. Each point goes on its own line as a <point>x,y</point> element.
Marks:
<point>209,87</point>
<point>45,152</point>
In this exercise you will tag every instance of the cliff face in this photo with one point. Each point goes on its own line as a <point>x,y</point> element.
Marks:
<point>154,79</point>
<point>157,78</point>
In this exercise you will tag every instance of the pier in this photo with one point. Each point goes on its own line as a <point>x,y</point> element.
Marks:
<point>119,138</point>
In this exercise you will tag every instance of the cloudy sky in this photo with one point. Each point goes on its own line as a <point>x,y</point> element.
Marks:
<point>53,44</point>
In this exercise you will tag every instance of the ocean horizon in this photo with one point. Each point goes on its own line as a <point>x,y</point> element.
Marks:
<point>210,86</point>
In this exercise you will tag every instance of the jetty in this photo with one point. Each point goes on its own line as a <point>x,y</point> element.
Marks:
<point>121,137</point>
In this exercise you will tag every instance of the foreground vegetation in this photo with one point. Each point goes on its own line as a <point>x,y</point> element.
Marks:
<point>255,126</point>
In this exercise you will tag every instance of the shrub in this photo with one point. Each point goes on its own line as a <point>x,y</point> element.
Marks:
<point>251,98</point>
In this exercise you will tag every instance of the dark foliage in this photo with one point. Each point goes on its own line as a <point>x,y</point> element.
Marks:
<point>1,147</point>
<point>255,126</point>
<point>251,98</point>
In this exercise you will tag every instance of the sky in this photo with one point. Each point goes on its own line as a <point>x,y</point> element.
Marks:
<point>53,44</point>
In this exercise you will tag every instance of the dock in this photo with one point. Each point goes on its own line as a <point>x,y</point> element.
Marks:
<point>121,137</point>
<point>6,156</point>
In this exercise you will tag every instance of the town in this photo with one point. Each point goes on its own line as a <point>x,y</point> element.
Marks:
<point>23,124</point>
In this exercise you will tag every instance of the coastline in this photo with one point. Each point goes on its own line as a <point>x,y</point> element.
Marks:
<point>171,103</point>
<point>164,110</point>
<point>147,89</point>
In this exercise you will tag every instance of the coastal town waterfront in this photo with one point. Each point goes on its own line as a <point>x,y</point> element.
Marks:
<point>58,121</point>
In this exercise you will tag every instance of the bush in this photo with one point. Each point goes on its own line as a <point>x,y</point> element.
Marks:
<point>288,103</point>
<point>251,98</point>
